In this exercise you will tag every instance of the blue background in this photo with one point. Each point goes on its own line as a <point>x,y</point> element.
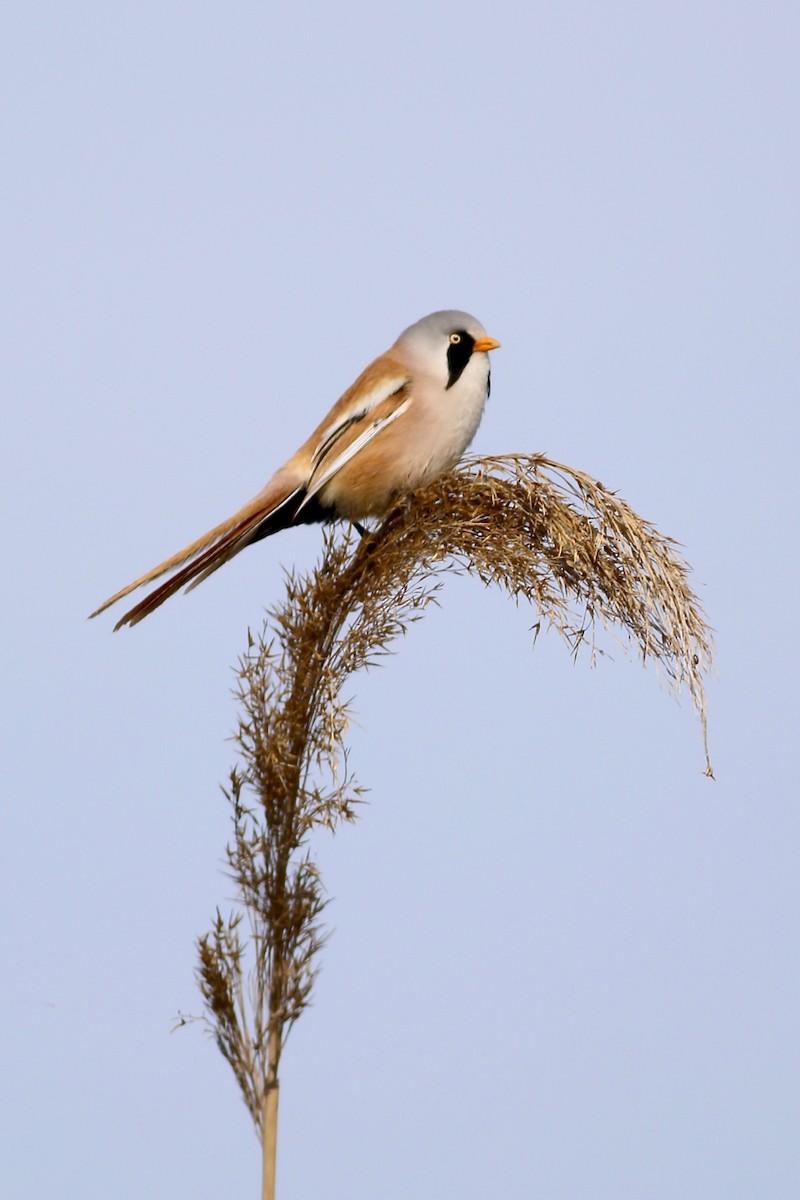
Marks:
<point>563,963</point>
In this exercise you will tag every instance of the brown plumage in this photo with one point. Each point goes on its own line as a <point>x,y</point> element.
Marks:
<point>206,553</point>
<point>407,418</point>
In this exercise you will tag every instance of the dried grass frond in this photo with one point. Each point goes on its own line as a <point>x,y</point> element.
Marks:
<point>542,531</point>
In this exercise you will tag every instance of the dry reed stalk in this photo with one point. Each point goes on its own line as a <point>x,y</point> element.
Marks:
<point>545,533</point>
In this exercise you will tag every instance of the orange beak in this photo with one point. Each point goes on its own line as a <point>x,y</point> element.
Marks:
<point>484,344</point>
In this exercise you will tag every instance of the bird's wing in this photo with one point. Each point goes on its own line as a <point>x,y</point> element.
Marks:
<point>380,407</point>
<point>342,443</point>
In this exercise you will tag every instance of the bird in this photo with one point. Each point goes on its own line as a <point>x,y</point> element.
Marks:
<point>406,420</point>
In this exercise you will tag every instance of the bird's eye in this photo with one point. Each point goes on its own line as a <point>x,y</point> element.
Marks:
<point>455,338</point>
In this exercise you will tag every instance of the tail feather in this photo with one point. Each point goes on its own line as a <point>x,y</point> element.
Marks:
<point>272,509</point>
<point>198,569</point>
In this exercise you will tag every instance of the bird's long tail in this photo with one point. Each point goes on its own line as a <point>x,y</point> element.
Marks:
<point>272,509</point>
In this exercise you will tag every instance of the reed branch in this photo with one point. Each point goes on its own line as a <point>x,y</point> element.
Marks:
<point>546,534</point>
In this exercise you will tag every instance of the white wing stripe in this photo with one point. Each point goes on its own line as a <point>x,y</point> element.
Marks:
<point>353,449</point>
<point>382,392</point>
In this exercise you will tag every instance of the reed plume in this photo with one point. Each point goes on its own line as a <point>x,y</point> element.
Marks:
<point>545,533</point>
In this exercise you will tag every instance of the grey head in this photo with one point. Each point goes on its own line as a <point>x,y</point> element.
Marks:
<point>443,345</point>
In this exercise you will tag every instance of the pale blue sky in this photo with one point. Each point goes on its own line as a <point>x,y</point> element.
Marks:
<point>563,963</point>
